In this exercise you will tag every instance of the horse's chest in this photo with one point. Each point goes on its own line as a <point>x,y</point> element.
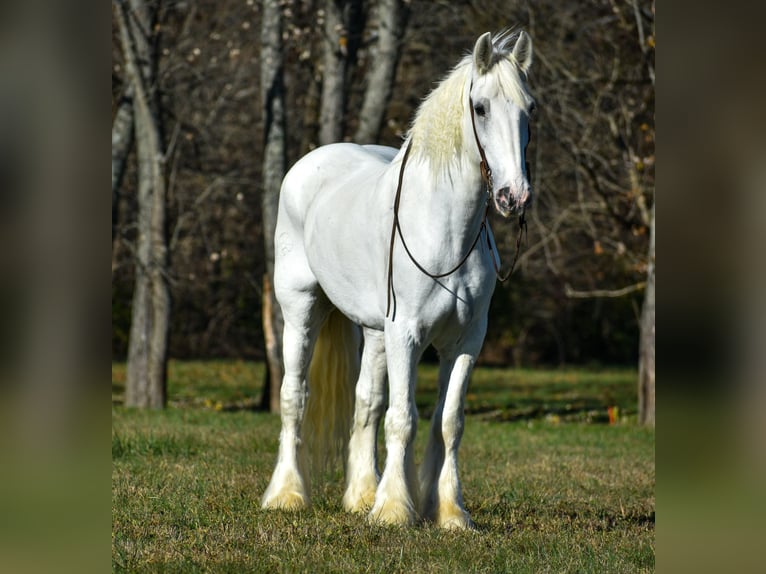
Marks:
<point>455,304</point>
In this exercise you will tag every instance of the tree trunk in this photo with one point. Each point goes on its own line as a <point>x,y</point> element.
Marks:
<point>343,23</point>
<point>646,364</point>
<point>273,326</point>
<point>147,349</point>
<point>274,163</point>
<point>392,15</point>
<point>122,141</point>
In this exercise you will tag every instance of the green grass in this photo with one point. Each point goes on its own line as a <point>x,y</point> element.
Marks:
<point>550,486</point>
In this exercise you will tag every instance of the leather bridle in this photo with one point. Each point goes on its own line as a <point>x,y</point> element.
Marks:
<point>486,176</point>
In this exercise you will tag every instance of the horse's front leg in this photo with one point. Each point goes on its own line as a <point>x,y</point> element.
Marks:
<point>396,497</point>
<point>449,511</point>
<point>362,469</point>
<point>432,463</point>
<point>445,502</point>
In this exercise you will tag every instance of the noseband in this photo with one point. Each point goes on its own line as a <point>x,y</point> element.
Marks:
<point>396,228</point>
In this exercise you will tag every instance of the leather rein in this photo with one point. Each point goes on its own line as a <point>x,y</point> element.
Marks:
<point>396,228</point>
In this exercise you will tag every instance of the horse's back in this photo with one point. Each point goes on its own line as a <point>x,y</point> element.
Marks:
<point>330,170</point>
<point>386,153</point>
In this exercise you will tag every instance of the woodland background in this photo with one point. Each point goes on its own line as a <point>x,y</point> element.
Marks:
<point>577,293</point>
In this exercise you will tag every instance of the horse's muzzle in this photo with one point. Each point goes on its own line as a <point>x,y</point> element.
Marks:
<point>507,201</point>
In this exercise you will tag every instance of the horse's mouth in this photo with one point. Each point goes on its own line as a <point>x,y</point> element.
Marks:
<point>506,202</point>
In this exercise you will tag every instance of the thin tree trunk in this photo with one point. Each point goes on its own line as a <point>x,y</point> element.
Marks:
<point>274,163</point>
<point>333,74</point>
<point>392,15</point>
<point>344,21</point>
<point>122,141</point>
<point>646,365</point>
<point>273,326</point>
<point>147,349</point>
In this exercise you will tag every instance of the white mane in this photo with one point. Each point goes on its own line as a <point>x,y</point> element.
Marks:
<point>437,131</point>
<point>436,134</point>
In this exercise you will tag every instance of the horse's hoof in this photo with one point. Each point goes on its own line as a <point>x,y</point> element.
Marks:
<point>392,513</point>
<point>359,502</point>
<point>286,501</point>
<point>452,517</point>
<point>457,524</point>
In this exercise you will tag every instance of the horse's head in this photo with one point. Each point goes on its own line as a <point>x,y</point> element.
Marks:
<point>501,107</point>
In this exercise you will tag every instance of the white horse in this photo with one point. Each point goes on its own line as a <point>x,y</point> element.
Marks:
<point>397,242</point>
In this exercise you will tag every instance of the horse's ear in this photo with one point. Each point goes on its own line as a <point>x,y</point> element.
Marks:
<point>522,51</point>
<point>482,53</point>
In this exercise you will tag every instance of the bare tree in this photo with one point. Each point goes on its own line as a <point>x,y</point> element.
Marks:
<point>646,362</point>
<point>391,16</point>
<point>333,74</point>
<point>122,142</point>
<point>341,38</point>
<point>274,160</point>
<point>593,146</point>
<point>147,349</point>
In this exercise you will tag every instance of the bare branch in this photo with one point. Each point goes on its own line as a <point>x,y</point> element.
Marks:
<point>603,293</point>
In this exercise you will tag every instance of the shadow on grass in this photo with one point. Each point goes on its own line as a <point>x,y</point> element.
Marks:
<point>584,410</point>
<point>518,516</point>
<point>495,394</point>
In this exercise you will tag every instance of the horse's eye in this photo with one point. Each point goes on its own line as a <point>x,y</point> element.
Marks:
<point>532,108</point>
<point>479,109</point>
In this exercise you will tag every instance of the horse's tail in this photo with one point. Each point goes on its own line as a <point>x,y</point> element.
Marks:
<point>332,378</point>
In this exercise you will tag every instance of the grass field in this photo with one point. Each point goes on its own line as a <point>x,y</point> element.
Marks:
<point>550,484</point>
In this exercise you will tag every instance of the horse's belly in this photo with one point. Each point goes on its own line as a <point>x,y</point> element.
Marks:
<point>348,276</point>
<point>359,302</point>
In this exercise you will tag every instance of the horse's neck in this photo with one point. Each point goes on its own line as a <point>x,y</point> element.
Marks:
<point>444,210</point>
<point>444,196</point>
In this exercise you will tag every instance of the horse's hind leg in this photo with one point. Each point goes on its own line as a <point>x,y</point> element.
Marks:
<point>304,311</point>
<point>362,469</point>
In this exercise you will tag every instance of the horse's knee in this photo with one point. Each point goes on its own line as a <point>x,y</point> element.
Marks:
<point>401,424</point>
<point>452,424</point>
